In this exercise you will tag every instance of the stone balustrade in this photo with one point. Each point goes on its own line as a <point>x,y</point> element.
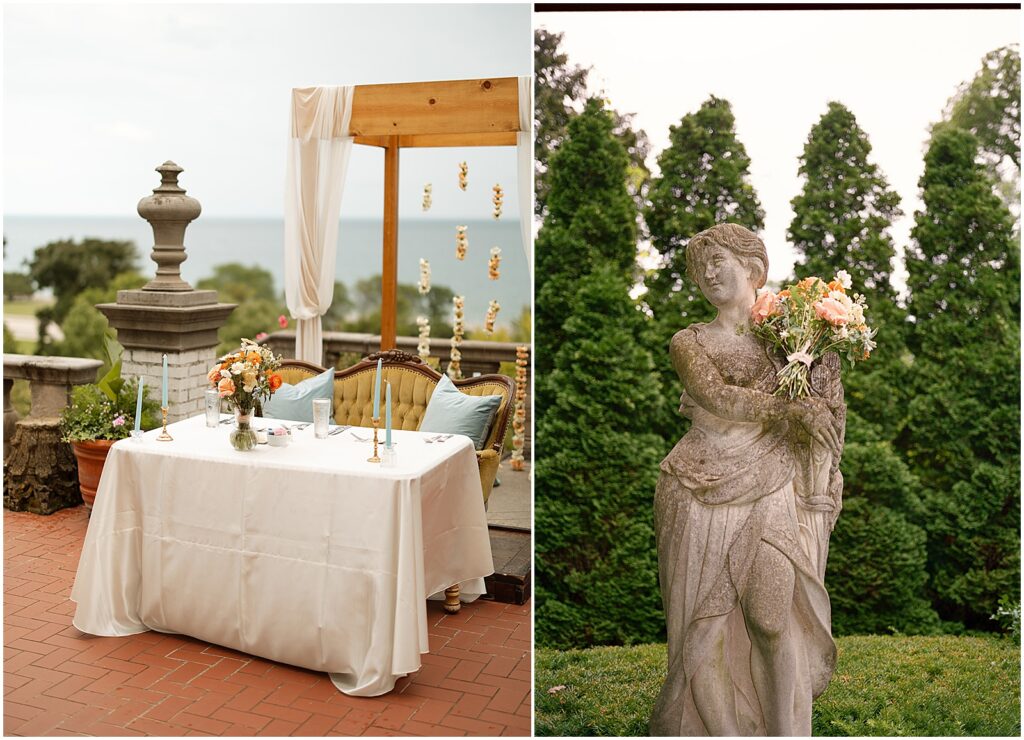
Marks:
<point>40,472</point>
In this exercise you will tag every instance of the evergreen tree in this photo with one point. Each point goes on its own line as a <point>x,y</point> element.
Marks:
<point>557,85</point>
<point>843,215</point>
<point>596,559</point>
<point>989,107</point>
<point>591,220</point>
<point>962,436</point>
<point>704,180</point>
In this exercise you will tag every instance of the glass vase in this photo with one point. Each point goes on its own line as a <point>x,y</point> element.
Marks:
<point>243,437</point>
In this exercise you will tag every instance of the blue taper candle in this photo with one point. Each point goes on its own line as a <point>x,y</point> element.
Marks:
<point>387,414</point>
<point>138,407</point>
<point>376,394</point>
<point>163,401</point>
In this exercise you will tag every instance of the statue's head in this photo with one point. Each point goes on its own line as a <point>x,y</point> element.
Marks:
<point>724,260</point>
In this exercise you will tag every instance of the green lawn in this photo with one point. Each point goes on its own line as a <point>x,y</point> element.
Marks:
<point>883,685</point>
<point>27,307</point>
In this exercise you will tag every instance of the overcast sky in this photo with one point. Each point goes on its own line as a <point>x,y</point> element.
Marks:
<point>894,70</point>
<point>96,96</point>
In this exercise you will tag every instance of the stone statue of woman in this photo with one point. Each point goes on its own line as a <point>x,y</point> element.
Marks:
<point>743,511</point>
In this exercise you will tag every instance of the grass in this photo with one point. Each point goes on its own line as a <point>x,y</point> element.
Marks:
<point>27,307</point>
<point>883,685</point>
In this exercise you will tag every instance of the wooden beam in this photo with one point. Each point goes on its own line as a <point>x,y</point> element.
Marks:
<point>496,138</point>
<point>389,272</point>
<point>449,107</point>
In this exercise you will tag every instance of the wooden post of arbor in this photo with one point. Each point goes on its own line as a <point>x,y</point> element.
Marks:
<point>453,113</point>
<point>389,274</point>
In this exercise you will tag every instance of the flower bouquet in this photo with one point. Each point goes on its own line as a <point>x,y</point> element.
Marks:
<point>244,378</point>
<point>808,319</point>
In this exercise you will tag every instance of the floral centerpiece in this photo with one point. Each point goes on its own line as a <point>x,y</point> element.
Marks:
<point>244,378</point>
<point>808,319</point>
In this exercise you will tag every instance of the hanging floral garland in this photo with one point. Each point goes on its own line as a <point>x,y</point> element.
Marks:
<point>519,416</point>
<point>455,365</point>
<point>424,285</point>
<point>492,314</point>
<point>463,173</point>
<point>423,348</point>
<point>499,196</point>
<point>461,242</point>
<point>428,190</point>
<point>494,263</point>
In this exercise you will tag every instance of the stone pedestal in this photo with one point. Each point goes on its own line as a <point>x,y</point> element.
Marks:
<point>167,316</point>
<point>40,472</point>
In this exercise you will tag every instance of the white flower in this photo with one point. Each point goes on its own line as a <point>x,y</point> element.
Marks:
<point>225,373</point>
<point>857,313</point>
<point>843,332</point>
<point>783,334</point>
<point>844,279</point>
<point>237,368</point>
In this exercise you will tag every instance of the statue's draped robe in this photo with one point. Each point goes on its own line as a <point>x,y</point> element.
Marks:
<point>725,488</point>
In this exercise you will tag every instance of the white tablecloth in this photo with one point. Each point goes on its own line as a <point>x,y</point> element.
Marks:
<point>306,554</point>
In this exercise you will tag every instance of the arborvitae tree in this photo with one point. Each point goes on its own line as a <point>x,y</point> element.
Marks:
<point>591,220</point>
<point>989,107</point>
<point>704,180</point>
<point>560,89</point>
<point>843,215</point>
<point>596,559</point>
<point>962,437</point>
<point>556,86</point>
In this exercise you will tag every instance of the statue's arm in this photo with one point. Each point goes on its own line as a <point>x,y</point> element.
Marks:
<point>705,385</point>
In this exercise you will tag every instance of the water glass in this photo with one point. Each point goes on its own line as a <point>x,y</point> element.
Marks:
<point>321,417</point>
<point>212,407</point>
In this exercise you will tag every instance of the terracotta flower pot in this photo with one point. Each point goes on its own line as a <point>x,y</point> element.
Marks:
<point>91,456</point>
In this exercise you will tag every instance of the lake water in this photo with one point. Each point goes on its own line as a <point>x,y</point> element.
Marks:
<point>251,241</point>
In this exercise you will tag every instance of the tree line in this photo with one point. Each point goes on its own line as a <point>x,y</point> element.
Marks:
<point>929,537</point>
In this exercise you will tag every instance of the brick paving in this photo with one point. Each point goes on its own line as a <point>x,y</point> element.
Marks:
<point>58,681</point>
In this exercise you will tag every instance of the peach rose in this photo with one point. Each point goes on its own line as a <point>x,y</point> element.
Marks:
<point>832,311</point>
<point>214,375</point>
<point>226,387</point>
<point>766,305</point>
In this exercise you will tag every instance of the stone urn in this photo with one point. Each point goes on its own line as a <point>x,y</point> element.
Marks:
<point>91,456</point>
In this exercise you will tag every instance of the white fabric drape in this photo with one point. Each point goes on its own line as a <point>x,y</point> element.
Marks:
<point>524,157</point>
<point>318,155</point>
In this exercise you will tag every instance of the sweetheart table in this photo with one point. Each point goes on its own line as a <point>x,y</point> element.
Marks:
<point>305,554</point>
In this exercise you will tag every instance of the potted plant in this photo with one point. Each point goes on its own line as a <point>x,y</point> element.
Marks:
<point>98,415</point>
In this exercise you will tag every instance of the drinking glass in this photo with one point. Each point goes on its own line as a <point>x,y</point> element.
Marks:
<point>212,407</point>
<point>321,417</point>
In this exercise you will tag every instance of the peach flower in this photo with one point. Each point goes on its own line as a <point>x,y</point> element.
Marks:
<point>833,311</point>
<point>766,305</point>
<point>214,375</point>
<point>253,358</point>
<point>226,387</point>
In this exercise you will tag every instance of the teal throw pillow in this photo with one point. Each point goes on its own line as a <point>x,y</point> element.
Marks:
<point>295,402</point>
<point>451,411</point>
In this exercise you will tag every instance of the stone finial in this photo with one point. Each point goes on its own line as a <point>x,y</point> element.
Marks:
<point>169,211</point>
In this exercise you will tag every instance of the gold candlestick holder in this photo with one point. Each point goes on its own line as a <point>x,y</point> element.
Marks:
<point>164,436</point>
<point>376,441</point>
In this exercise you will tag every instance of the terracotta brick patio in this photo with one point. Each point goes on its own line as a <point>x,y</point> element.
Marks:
<point>58,681</point>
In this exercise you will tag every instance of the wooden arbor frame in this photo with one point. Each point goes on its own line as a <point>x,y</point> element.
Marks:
<point>454,113</point>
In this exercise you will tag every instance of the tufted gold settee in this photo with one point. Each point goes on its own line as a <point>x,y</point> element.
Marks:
<point>412,384</point>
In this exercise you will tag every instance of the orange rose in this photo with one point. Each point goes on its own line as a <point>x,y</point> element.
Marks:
<point>766,305</point>
<point>832,311</point>
<point>226,386</point>
<point>275,381</point>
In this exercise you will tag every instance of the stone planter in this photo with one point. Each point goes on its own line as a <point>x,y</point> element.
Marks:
<point>91,456</point>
